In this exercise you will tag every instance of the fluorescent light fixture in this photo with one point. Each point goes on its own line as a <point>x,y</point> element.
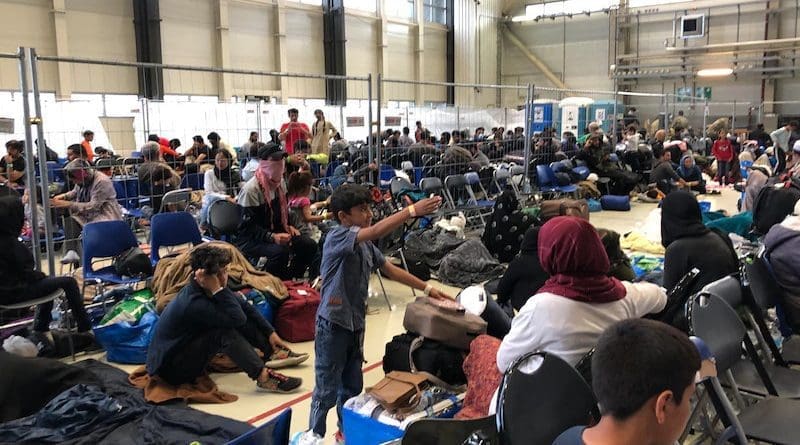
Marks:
<point>715,72</point>
<point>397,28</point>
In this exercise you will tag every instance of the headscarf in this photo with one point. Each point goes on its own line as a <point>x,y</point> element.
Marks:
<point>680,217</point>
<point>82,167</point>
<point>793,220</point>
<point>12,216</point>
<point>682,170</point>
<point>270,177</point>
<point>570,251</point>
<point>229,176</point>
<point>530,241</point>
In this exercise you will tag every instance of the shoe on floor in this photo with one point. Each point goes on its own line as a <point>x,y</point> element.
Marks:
<point>278,383</point>
<point>306,438</point>
<point>71,257</point>
<point>339,438</point>
<point>283,358</point>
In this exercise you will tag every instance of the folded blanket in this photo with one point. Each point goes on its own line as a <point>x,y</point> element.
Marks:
<point>173,273</point>
<point>156,390</point>
<point>637,242</point>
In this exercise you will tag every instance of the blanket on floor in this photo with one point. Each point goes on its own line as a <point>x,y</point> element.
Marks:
<point>173,273</point>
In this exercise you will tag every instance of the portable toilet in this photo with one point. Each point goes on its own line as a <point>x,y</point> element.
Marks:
<point>544,114</point>
<point>574,111</point>
<point>602,112</point>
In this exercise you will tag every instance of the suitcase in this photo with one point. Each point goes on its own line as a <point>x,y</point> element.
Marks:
<point>620,203</point>
<point>444,321</point>
<point>431,356</point>
<point>564,207</point>
<point>296,317</point>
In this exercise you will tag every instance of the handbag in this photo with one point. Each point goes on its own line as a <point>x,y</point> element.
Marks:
<point>445,322</point>
<point>399,391</point>
<point>133,263</point>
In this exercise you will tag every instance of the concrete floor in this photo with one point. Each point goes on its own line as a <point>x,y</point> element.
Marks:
<point>257,407</point>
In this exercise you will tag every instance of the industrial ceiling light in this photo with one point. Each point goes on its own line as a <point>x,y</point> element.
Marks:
<point>715,72</point>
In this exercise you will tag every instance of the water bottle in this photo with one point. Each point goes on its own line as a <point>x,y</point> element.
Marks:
<point>261,263</point>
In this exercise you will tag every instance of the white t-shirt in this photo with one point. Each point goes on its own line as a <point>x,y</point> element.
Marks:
<point>570,328</point>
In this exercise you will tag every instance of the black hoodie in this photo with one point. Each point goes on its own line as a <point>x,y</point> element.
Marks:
<point>524,275</point>
<point>16,262</point>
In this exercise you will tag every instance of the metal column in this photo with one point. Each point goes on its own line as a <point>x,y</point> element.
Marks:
<point>527,133</point>
<point>379,130</point>
<point>48,224</point>
<point>30,169</point>
<point>614,119</point>
<point>369,118</point>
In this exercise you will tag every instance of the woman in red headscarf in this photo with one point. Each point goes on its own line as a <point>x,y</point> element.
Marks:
<point>578,301</point>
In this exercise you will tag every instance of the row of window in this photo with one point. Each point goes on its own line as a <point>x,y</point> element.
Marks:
<point>567,7</point>
<point>434,11</point>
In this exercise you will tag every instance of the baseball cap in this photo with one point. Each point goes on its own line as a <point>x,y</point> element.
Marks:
<point>270,151</point>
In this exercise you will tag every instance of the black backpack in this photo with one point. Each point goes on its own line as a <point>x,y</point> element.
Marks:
<point>772,204</point>
<point>674,312</point>
<point>433,357</point>
<point>133,263</point>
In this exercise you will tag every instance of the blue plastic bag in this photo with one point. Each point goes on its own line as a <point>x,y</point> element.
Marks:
<point>594,205</point>
<point>126,343</point>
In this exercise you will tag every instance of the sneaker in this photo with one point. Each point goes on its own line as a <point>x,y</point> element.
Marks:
<point>278,383</point>
<point>339,438</point>
<point>306,438</point>
<point>283,358</point>
<point>71,257</point>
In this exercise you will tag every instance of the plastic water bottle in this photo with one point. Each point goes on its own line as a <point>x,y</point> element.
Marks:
<point>261,263</point>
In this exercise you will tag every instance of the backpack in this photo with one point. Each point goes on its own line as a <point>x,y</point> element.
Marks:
<point>674,313</point>
<point>133,263</point>
<point>564,207</point>
<point>773,204</point>
<point>430,356</point>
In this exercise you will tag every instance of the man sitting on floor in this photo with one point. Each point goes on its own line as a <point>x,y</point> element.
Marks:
<point>207,318</point>
<point>643,374</point>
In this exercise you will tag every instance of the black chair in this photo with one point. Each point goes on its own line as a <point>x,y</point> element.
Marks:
<point>746,374</point>
<point>449,431</point>
<point>771,420</point>
<point>766,293</point>
<point>224,218</point>
<point>536,408</point>
<point>53,296</point>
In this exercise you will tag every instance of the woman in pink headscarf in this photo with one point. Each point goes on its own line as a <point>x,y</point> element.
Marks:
<point>578,301</point>
<point>265,231</point>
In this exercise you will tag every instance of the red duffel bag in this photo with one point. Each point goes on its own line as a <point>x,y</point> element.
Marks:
<point>296,318</point>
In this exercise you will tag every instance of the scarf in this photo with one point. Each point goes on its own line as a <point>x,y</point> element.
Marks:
<point>314,129</point>
<point>266,175</point>
<point>680,217</point>
<point>229,176</point>
<point>571,252</point>
<point>682,170</point>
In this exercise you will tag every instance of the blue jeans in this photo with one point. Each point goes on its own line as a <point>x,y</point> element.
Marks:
<point>340,354</point>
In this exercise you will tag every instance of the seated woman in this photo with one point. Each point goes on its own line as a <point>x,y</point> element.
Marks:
<point>691,244</point>
<point>221,182</point>
<point>578,301</point>
<point>265,230</point>
<point>206,318</point>
<point>691,173</point>
<point>92,199</point>
<point>20,281</point>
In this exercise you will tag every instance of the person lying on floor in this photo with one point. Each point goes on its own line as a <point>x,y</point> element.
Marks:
<point>20,281</point>
<point>207,318</point>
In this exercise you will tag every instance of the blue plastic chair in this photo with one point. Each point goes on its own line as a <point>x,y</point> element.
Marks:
<point>106,239</point>
<point>172,229</point>
<point>274,432</point>
<point>136,154</point>
<point>582,171</point>
<point>745,168</point>
<point>386,174</point>
<point>546,180</point>
<point>194,181</point>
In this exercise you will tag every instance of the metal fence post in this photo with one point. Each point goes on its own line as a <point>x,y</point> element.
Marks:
<point>614,118</point>
<point>527,133</point>
<point>378,129</point>
<point>369,118</point>
<point>705,118</point>
<point>733,117</point>
<point>48,224</point>
<point>30,169</point>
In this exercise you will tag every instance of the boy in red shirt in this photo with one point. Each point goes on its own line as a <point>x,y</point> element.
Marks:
<point>293,131</point>
<point>723,153</point>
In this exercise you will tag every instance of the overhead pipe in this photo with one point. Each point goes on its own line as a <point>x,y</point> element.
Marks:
<point>537,62</point>
<point>735,45</point>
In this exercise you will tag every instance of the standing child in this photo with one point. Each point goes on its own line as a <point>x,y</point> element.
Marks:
<point>348,260</point>
<point>723,153</point>
<point>301,209</point>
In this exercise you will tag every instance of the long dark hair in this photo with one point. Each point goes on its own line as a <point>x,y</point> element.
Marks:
<point>298,183</point>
